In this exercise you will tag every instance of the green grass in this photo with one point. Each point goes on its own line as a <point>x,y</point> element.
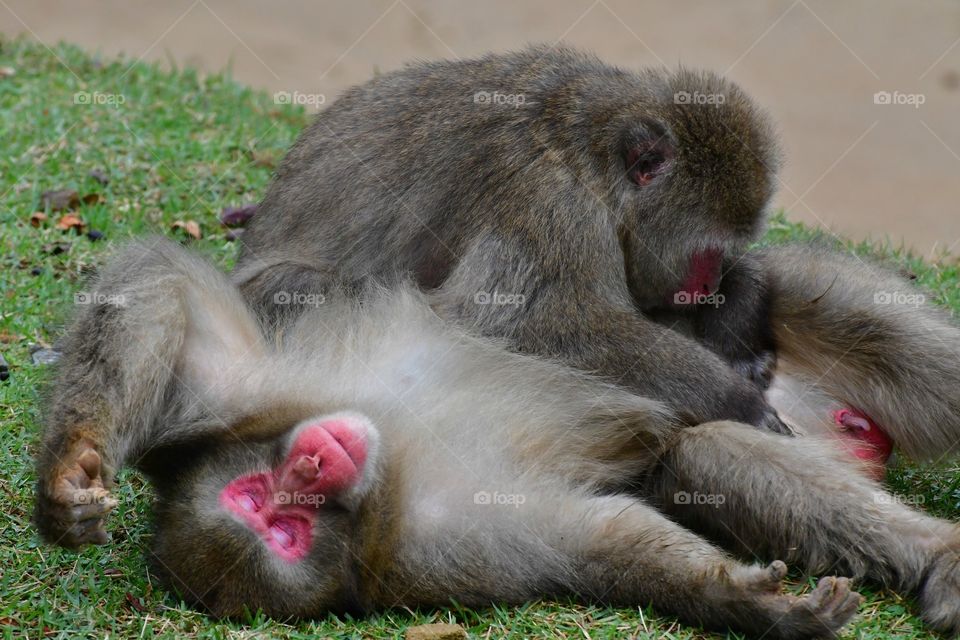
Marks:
<point>182,147</point>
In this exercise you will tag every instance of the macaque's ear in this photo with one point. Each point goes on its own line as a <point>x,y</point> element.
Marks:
<point>648,152</point>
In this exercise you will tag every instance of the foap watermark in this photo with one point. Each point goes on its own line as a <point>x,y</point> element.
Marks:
<point>302,99</point>
<point>496,498</point>
<point>515,100</point>
<point>98,98</point>
<point>299,297</point>
<point>908,298</point>
<point>96,297</point>
<point>497,298</point>
<point>915,500</point>
<point>685,298</point>
<point>896,97</point>
<point>699,98</point>
<point>697,498</point>
<point>299,499</point>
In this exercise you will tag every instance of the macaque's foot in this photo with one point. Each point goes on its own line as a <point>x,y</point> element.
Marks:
<point>325,461</point>
<point>73,504</point>
<point>818,614</point>
<point>940,595</point>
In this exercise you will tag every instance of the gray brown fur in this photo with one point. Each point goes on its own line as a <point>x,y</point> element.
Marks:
<point>409,174</point>
<point>180,381</point>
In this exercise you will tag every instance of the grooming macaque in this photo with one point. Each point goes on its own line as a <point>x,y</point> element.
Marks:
<point>368,454</point>
<point>588,197</point>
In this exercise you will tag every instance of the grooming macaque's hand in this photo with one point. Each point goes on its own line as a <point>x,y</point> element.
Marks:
<point>771,422</point>
<point>325,461</point>
<point>75,503</point>
<point>821,613</point>
<point>758,369</point>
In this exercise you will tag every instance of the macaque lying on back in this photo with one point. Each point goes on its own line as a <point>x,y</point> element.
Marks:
<point>373,455</point>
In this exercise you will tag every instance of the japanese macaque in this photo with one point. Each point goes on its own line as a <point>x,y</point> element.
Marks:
<point>368,453</point>
<point>551,201</point>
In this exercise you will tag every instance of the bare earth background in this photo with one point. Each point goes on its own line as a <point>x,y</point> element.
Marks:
<point>865,170</point>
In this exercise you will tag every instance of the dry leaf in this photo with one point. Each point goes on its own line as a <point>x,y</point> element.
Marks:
<point>37,218</point>
<point>60,199</point>
<point>189,227</point>
<point>6,72</point>
<point>70,221</point>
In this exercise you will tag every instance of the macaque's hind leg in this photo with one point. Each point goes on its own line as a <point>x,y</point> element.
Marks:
<point>804,500</point>
<point>631,554</point>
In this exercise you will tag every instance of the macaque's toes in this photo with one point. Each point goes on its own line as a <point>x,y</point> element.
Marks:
<point>822,612</point>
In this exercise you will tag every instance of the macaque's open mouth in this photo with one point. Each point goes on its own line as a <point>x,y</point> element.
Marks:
<point>281,505</point>
<point>702,279</point>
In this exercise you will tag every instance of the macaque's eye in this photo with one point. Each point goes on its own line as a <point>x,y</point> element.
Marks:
<point>290,536</point>
<point>248,501</point>
<point>646,162</point>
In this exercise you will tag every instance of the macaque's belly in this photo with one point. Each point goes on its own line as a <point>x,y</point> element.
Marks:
<point>811,411</point>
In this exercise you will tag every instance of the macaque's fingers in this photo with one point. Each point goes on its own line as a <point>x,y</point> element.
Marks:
<point>758,370</point>
<point>771,422</point>
<point>819,614</point>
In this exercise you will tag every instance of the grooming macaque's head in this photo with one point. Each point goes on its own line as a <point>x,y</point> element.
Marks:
<point>271,526</point>
<point>691,162</point>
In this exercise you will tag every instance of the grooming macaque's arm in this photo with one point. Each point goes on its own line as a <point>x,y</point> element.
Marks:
<point>737,324</point>
<point>161,345</point>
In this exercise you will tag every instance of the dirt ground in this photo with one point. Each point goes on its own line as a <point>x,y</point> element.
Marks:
<point>856,164</point>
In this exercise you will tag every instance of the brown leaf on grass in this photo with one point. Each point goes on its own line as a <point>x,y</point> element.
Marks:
<point>70,221</point>
<point>135,603</point>
<point>6,72</point>
<point>9,338</point>
<point>60,199</point>
<point>189,227</point>
<point>37,218</point>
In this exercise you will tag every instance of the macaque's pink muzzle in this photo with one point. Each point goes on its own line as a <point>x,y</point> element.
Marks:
<point>702,279</point>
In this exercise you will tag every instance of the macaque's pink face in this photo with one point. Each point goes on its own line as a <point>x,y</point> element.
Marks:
<point>325,460</point>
